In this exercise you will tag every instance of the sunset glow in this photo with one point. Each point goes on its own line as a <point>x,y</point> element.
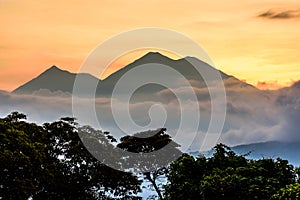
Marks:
<point>253,40</point>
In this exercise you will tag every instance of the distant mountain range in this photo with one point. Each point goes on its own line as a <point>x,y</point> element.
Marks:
<point>55,79</point>
<point>272,149</point>
<point>252,114</point>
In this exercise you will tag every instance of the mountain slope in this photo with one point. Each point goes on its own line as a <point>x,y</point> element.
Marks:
<point>183,66</point>
<point>274,149</point>
<point>53,79</point>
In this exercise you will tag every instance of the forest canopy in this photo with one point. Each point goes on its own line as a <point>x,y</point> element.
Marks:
<point>49,161</point>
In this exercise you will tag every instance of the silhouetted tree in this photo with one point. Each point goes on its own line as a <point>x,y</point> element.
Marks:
<point>227,175</point>
<point>151,166</point>
<point>50,162</point>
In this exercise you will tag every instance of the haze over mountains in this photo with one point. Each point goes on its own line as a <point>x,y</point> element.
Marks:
<point>252,115</point>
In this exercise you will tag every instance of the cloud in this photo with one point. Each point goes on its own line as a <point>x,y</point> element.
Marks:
<point>274,84</point>
<point>48,93</point>
<point>288,14</point>
<point>288,101</point>
<point>39,109</point>
<point>252,115</point>
<point>268,85</point>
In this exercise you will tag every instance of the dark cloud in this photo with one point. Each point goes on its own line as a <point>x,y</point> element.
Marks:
<point>288,14</point>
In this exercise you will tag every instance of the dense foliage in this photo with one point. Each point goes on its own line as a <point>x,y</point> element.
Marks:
<point>291,191</point>
<point>151,166</point>
<point>226,175</point>
<point>49,161</point>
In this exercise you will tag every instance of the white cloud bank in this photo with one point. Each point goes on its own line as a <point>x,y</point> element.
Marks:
<point>252,115</point>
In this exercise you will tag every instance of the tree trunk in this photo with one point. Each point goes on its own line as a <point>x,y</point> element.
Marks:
<point>148,176</point>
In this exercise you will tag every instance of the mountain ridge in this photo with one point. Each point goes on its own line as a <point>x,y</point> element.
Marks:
<point>53,79</point>
<point>261,150</point>
<point>56,79</point>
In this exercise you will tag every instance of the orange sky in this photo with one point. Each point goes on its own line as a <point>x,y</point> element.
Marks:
<point>35,35</point>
